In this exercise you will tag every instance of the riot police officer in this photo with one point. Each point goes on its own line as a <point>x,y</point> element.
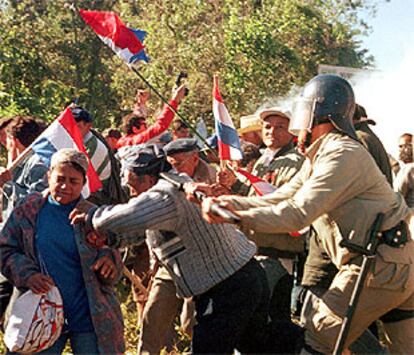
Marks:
<point>340,191</point>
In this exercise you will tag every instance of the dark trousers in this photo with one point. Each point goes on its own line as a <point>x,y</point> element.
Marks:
<point>233,314</point>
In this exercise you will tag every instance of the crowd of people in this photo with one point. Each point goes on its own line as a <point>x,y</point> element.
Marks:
<point>276,278</point>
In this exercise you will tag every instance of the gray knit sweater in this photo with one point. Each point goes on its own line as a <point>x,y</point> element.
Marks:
<point>198,255</point>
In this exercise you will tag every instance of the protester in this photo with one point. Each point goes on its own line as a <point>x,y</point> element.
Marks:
<point>97,151</point>
<point>179,130</point>
<point>102,159</point>
<point>278,164</point>
<point>163,305</point>
<point>112,136</point>
<point>135,127</point>
<point>4,122</point>
<point>251,154</point>
<point>30,174</point>
<point>39,247</point>
<point>250,129</point>
<point>340,191</point>
<point>212,263</point>
<point>405,148</point>
<point>140,106</point>
<point>183,155</point>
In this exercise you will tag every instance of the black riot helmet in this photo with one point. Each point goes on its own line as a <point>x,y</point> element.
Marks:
<point>326,98</point>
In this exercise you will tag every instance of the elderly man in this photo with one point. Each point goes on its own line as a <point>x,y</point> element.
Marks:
<point>213,264</point>
<point>250,129</point>
<point>183,155</point>
<point>343,194</point>
<point>163,305</point>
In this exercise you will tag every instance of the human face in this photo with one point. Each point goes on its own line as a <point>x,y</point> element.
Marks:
<point>111,142</point>
<point>84,127</point>
<point>142,126</point>
<point>252,137</point>
<point>65,183</point>
<point>181,132</point>
<point>405,149</point>
<point>138,184</point>
<point>184,162</point>
<point>275,132</point>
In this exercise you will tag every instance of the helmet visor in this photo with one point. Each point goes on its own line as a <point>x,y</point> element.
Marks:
<point>302,116</point>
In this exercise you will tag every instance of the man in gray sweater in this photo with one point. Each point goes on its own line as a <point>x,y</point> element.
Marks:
<point>214,264</point>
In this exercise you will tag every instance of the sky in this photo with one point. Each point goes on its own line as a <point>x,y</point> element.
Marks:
<point>388,95</point>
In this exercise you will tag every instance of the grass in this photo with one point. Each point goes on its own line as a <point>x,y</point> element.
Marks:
<point>129,312</point>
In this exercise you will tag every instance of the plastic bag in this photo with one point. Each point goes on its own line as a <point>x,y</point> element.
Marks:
<point>35,322</point>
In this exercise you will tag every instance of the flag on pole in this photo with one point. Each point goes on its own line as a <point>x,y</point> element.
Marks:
<point>64,133</point>
<point>124,41</point>
<point>261,186</point>
<point>228,139</point>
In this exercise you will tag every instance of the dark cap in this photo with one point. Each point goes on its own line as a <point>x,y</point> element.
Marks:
<point>146,160</point>
<point>181,145</point>
<point>80,114</point>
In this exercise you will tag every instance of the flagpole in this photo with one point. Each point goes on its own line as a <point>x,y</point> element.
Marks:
<point>20,158</point>
<point>163,99</point>
<point>74,8</point>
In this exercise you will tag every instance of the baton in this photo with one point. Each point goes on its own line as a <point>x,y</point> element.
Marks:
<point>368,254</point>
<point>216,209</point>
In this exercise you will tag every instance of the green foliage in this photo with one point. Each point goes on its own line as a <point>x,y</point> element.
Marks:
<point>260,48</point>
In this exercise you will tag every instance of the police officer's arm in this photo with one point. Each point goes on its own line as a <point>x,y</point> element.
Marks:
<point>282,193</point>
<point>151,210</point>
<point>331,183</point>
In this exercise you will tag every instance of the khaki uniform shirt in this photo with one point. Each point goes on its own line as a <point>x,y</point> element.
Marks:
<point>280,170</point>
<point>319,270</point>
<point>340,190</point>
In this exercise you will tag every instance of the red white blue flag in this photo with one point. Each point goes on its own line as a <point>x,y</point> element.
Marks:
<point>64,133</point>
<point>228,139</point>
<point>261,186</point>
<point>124,41</point>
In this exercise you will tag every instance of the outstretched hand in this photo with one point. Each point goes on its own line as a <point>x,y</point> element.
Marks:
<point>191,190</point>
<point>80,212</point>
<point>207,209</point>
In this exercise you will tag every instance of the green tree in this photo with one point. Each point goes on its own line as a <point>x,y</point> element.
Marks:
<point>259,48</point>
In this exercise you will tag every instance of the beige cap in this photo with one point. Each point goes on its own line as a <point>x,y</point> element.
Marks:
<point>249,123</point>
<point>69,155</point>
<point>274,111</point>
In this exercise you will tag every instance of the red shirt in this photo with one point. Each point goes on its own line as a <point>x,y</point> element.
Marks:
<point>161,124</point>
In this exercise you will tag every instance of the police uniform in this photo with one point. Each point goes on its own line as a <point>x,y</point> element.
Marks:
<point>340,191</point>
